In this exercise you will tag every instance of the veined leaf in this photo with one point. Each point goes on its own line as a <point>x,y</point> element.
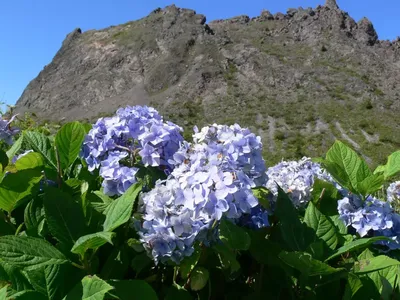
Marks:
<point>90,288</point>
<point>322,225</point>
<point>15,187</point>
<point>68,141</point>
<point>40,143</point>
<point>120,210</point>
<point>392,166</point>
<point>15,148</point>
<point>234,236</point>
<point>32,160</point>
<point>304,263</point>
<point>375,264</point>
<point>64,216</point>
<point>91,241</point>
<point>199,278</point>
<point>356,245</point>
<point>33,215</point>
<point>29,252</point>
<point>370,184</point>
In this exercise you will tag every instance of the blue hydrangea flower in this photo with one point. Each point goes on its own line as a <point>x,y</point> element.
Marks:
<point>393,192</point>
<point>212,177</point>
<point>6,131</point>
<point>114,144</point>
<point>296,178</point>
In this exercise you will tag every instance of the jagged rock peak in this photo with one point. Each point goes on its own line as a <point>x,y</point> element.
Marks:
<point>331,4</point>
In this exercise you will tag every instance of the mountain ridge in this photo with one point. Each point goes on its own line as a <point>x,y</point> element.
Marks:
<point>299,79</point>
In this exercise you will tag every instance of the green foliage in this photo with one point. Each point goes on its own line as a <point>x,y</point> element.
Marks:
<point>71,241</point>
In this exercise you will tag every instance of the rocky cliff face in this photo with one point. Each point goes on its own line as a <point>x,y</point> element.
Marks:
<point>300,79</point>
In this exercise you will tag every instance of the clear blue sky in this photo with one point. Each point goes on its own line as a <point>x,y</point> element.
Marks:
<point>31,31</point>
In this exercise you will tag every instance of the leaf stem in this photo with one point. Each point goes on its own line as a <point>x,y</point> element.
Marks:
<point>77,266</point>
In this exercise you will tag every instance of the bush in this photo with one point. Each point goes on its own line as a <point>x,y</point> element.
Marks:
<point>126,209</point>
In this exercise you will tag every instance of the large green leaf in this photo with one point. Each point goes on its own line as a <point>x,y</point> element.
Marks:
<point>69,141</point>
<point>322,225</point>
<point>234,236</point>
<point>90,288</point>
<point>28,295</point>
<point>356,245</point>
<point>91,241</point>
<point>375,264</point>
<point>14,276</point>
<point>132,290</point>
<point>199,278</point>
<point>3,293</point>
<point>64,216</point>
<point>370,184</point>
<point>325,197</point>
<point>29,252</point>
<point>304,263</point>
<point>31,160</point>
<point>353,285</point>
<point>392,166</point>
<point>40,143</point>
<point>189,263</point>
<point>120,211</point>
<point>16,187</point>
<point>293,232</point>
<point>346,166</point>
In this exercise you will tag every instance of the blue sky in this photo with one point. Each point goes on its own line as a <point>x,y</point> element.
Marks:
<point>31,31</point>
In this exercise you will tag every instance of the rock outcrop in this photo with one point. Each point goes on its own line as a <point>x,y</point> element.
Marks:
<point>306,70</point>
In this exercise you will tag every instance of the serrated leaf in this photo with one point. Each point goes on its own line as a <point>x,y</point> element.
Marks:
<point>64,216</point>
<point>353,285</point>
<point>16,187</point>
<point>233,236</point>
<point>132,290</point>
<point>90,288</point>
<point>366,254</point>
<point>31,160</point>
<point>99,201</point>
<point>29,252</point>
<point>393,165</point>
<point>40,143</point>
<point>199,278</point>
<point>346,166</point>
<point>120,211</point>
<point>322,225</point>
<point>13,275</point>
<point>370,184</point>
<point>304,263</point>
<point>355,245</point>
<point>91,241</point>
<point>69,141</point>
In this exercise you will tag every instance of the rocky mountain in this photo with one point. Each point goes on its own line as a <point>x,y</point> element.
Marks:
<point>299,79</point>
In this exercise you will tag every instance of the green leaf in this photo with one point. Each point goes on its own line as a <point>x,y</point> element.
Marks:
<point>40,143</point>
<point>92,241</point>
<point>64,216</point>
<point>120,211</point>
<point>14,276</point>
<point>28,295</point>
<point>261,193</point>
<point>199,278</point>
<point>132,290</point>
<point>353,285</point>
<point>304,263</point>
<point>69,141</point>
<point>47,280</point>
<point>140,262</point>
<point>33,216</point>
<point>392,166</point>
<point>233,236</point>
<point>99,201</point>
<point>189,263</point>
<point>3,160</point>
<point>16,187</point>
<point>90,288</point>
<point>31,160</point>
<point>356,245</point>
<point>366,254</point>
<point>370,184</point>
<point>322,225</point>
<point>227,257</point>
<point>346,166</point>
<point>292,230</point>
<point>29,252</point>
<point>5,227</point>
<point>15,148</point>
<point>374,264</point>
<point>176,292</point>
<point>117,263</point>
<point>325,197</point>
<point>3,293</point>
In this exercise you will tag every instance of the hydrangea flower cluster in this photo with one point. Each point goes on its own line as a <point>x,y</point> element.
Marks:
<point>393,192</point>
<point>296,178</point>
<point>114,143</point>
<point>212,178</point>
<point>6,131</point>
